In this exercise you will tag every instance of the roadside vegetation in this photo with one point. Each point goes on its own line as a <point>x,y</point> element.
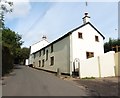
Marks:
<point>10,41</point>
<point>112,45</point>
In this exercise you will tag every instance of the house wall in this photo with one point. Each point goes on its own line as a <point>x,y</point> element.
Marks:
<point>31,59</point>
<point>61,53</point>
<point>37,46</point>
<point>87,44</point>
<point>100,66</point>
<point>89,68</point>
<point>107,63</point>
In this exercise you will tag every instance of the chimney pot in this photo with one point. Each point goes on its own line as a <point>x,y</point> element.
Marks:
<point>44,37</point>
<point>86,18</point>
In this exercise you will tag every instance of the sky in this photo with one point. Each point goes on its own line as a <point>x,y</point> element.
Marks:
<point>33,19</point>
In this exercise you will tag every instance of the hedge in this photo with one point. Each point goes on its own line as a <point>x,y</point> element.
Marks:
<point>7,60</point>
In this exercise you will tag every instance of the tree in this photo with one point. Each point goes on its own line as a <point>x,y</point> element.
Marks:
<point>21,55</point>
<point>4,9</point>
<point>11,49</point>
<point>7,59</point>
<point>112,45</point>
<point>25,54</point>
<point>11,40</point>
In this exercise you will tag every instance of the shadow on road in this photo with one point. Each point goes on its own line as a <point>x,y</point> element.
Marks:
<point>18,66</point>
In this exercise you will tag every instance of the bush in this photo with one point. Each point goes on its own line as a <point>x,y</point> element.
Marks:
<point>7,60</point>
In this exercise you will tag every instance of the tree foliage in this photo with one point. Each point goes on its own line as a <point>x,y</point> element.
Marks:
<point>7,60</point>
<point>22,54</point>
<point>4,9</point>
<point>108,46</point>
<point>11,40</point>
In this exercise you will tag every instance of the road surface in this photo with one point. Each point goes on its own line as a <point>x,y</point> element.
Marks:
<point>26,81</point>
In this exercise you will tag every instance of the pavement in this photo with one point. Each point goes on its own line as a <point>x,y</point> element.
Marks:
<point>26,81</point>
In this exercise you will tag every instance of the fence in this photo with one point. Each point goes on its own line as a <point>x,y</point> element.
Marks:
<point>102,66</point>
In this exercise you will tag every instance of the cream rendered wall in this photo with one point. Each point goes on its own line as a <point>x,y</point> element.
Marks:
<point>107,63</point>
<point>87,44</point>
<point>37,46</point>
<point>61,53</point>
<point>89,68</point>
<point>101,66</point>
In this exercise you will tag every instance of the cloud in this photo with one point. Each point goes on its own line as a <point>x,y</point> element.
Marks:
<point>31,24</point>
<point>20,10</point>
<point>55,23</point>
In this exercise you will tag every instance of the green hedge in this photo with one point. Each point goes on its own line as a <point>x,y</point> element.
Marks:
<point>7,60</point>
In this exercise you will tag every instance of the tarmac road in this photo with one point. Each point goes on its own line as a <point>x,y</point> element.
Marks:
<point>26,81</point>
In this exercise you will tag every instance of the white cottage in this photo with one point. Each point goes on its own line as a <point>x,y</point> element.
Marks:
<point>66,52</point>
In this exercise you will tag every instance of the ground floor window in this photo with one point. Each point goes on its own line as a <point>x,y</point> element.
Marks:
<point>52,60</point>
<point>43,63</point>
<point>39,63</point>
<point>89,54</point>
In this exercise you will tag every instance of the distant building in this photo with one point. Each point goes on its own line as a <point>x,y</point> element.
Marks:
<point>66,52</point>
<point>36,47</point>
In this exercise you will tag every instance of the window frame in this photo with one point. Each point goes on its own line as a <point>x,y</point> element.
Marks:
<point>46,55</point>
<point>52,61</point>
<point>40,53</point>
<point>89,54</point>
<point>96,38</point>
<point>80,35</point>
<point>43,51</point>
<point>51,48</point>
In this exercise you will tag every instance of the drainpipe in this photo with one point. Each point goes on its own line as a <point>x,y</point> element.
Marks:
<point>71,55</point>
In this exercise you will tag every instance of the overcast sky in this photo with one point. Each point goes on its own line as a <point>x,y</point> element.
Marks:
<point>32,20</point>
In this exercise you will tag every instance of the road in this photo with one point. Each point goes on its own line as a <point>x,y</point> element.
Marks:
<point>26,81</point>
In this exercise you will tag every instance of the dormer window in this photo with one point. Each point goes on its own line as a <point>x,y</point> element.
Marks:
<point>80,35</point>
<point>96,38</point>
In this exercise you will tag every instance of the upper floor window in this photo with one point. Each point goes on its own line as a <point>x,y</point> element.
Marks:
<point>43,51</point>
<point>52,48</point>
<point>39,53</point>
<point>46,54</point>
<point>89,54</point>
<point>96,38</point>
<point>80,35</point>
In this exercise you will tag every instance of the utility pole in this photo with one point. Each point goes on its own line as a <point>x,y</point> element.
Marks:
<point>86,4</point>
